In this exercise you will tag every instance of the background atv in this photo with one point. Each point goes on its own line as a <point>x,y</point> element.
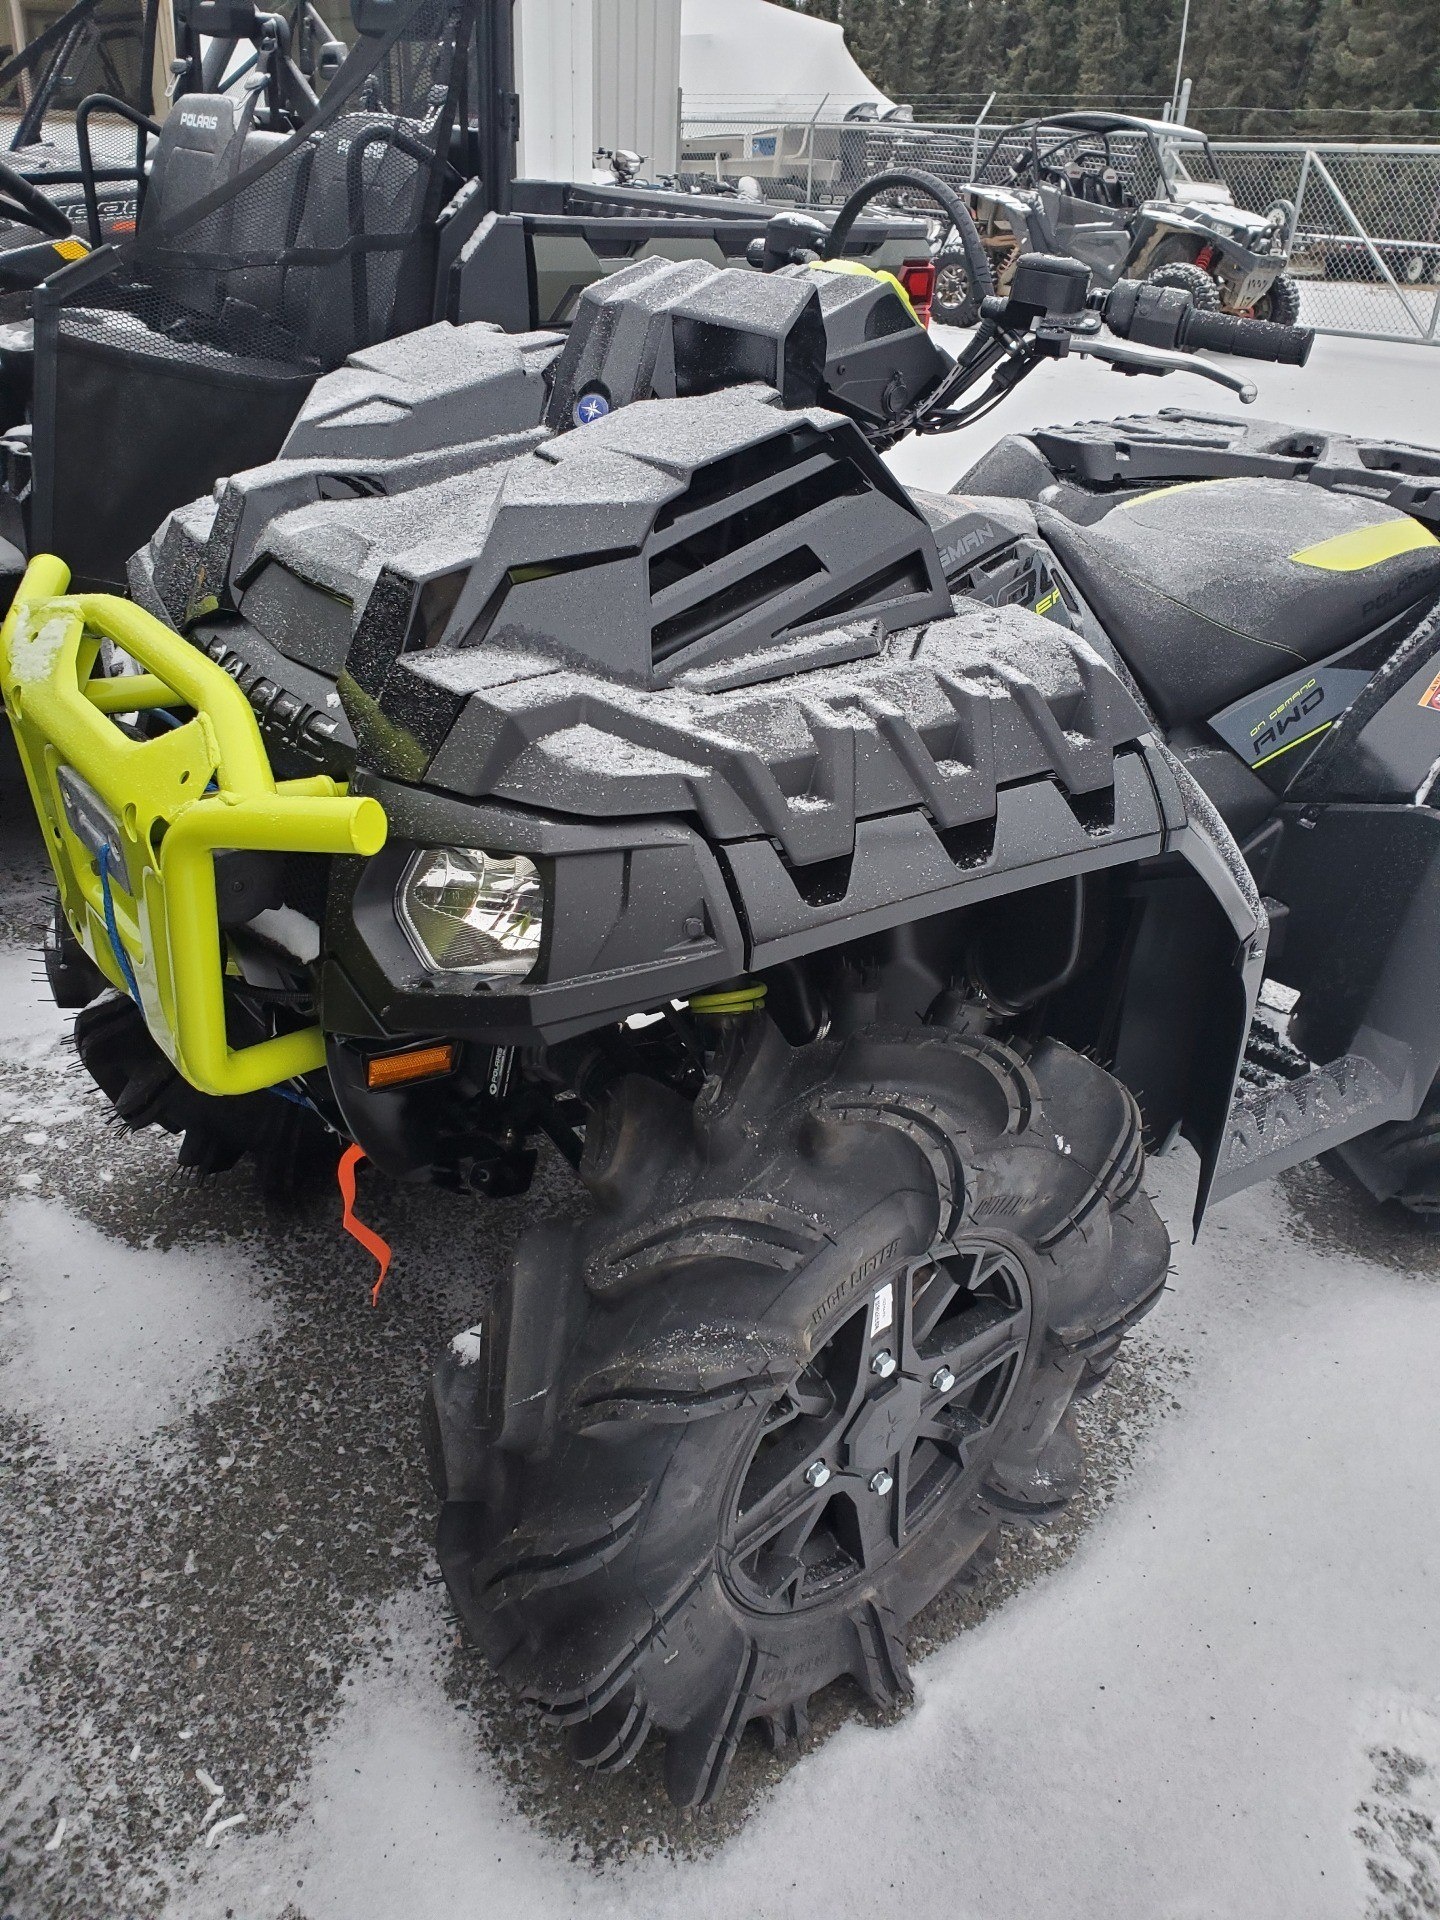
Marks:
<point>1130,199</point>
<point>562,749</point>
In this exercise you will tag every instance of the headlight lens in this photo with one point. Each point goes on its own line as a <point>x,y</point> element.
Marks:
<point>472,912</point>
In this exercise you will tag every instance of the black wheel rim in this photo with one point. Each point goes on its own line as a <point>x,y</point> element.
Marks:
<point>856,1456</point>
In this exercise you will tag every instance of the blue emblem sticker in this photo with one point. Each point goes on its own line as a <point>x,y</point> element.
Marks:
<point>591,407</point>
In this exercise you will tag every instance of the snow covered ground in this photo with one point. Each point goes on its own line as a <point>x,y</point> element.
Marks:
<point>230,1685</point>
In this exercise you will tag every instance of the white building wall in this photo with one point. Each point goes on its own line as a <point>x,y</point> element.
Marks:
<point>637,79</point>
<point>596,73</point>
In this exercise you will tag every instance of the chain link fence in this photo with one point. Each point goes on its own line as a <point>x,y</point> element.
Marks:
<point>1366,248</point>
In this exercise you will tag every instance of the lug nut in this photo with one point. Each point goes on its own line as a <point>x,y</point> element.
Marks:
<point>942,1380</point>
<point>817,1473</point>
<point>882,1481</point>
<point>884,1363</point>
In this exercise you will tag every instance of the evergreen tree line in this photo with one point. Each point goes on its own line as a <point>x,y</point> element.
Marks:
<point>1348,69</point>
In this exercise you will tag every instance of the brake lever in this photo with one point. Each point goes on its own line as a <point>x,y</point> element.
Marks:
<point>1160,360</point>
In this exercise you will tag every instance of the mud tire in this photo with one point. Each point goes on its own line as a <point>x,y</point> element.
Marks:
<point>1200,286</point>
<point>290,1148</point>
<point>1282,303</point>
<point>592,1460</point>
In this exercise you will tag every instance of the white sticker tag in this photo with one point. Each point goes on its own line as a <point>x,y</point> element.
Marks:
<point>882,1308</point>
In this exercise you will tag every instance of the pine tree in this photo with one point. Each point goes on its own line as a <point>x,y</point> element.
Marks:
<point>1352,68</point>
<point>1248,64</point>
<point>1374,62</point>
<point>1043,64</point>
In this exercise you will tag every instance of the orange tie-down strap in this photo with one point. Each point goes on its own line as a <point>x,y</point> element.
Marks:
<point>379,1249</point>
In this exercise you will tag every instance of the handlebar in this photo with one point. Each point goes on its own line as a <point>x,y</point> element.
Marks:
<point>1252,339</point>
<point>940,192</point>
<point>1165,317</point>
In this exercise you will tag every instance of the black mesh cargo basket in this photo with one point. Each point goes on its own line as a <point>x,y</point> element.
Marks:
<point>261,258</point>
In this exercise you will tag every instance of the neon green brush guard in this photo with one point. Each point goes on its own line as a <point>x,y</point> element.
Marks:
<point>203,786</point>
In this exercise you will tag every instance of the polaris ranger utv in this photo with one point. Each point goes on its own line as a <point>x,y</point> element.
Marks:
<point>582,739</point>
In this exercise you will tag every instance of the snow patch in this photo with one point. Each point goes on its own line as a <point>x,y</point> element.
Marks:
<point>101,1344</point>
<point>33,1030</point>
<point>34,651</point>
<point>1397,1825</point>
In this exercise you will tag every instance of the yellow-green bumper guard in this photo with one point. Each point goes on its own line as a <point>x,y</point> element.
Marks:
<point>132,826</point>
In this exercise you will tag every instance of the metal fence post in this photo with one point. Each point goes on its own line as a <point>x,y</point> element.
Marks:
<point>1360,234</point>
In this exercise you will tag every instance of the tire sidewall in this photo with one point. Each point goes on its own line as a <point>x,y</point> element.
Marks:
<point>794,1645</point>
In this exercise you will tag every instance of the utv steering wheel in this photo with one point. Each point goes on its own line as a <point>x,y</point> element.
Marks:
<point>22,200</point>
<point>977,261</point>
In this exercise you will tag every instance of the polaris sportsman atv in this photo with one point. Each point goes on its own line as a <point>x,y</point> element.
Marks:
<point>581,739</point>
<point>1132,199</point>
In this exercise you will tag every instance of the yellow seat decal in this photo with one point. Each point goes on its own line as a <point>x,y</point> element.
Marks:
<point>1163,493</point>
<point>1366,546</point>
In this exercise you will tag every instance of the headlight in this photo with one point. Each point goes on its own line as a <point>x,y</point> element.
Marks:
<point>472,912</point>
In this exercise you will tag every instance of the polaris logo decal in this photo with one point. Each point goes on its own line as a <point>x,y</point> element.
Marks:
<point>590,407</point>
<point>202,122</point>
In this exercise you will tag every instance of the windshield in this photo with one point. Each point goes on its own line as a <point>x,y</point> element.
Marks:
<point>1190,166</point>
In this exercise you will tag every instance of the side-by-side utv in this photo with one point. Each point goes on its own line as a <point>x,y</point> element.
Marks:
<point>1132,199</point>
<point>303,198</point>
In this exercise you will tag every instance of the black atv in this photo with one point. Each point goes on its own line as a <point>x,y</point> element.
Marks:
<point>586,741</point>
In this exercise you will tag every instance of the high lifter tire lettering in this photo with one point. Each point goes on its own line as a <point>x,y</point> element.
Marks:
<point>822,1335</point>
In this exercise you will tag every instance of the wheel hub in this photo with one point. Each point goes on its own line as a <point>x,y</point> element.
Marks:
<point>880,1430</point>
<point>882,1424</point>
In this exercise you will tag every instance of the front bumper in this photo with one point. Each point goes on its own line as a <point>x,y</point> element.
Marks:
<point>132,825</point>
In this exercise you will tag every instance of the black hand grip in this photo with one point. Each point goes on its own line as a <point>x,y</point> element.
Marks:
<point>1167,317</point>
<point>1251,339</point>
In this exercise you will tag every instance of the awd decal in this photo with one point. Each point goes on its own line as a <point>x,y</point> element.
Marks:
<point>1287,714</point>
<point>1267,736</point>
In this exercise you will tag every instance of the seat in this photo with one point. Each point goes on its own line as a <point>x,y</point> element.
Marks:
<point>362,185</point>
<point>207,140</point>
<point>1212,589</point>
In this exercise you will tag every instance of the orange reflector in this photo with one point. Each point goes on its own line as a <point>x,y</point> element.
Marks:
<point>416,1063</point>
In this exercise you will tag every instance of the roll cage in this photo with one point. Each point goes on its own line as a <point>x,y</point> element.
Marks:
<point>1041,157</point>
